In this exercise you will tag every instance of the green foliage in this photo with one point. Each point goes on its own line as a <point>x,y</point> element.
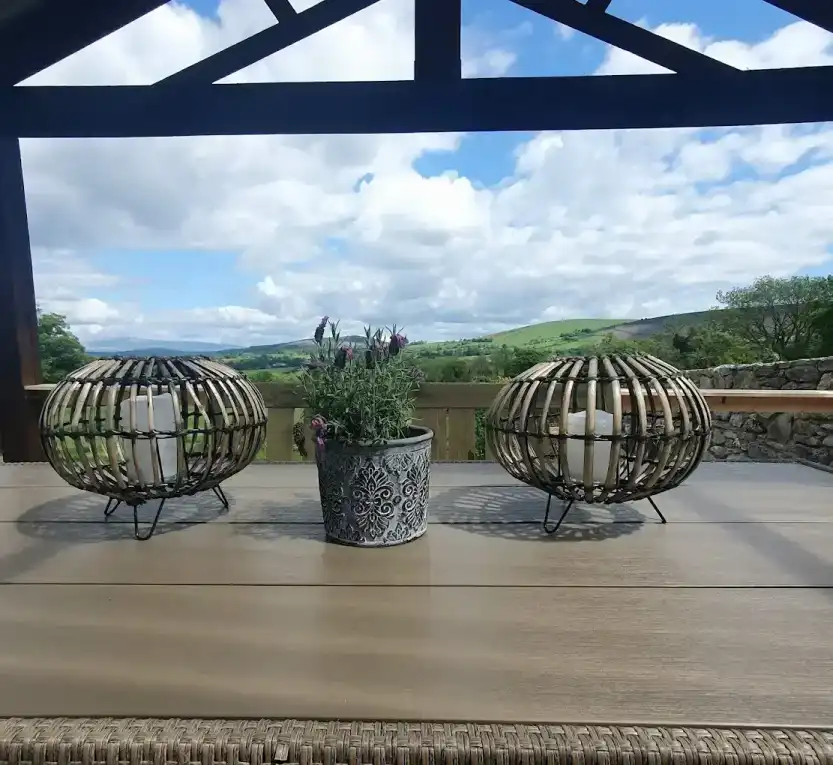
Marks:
<point>612,344</point>
<point>509,362</point>
<point>706,345</point>
<point>777,316</point>
<point>823,324</point>
<point>61,351</point>
<point>446,369</point>
<point>479,434</point>
<point>360,394</point>
<point>261,375</point>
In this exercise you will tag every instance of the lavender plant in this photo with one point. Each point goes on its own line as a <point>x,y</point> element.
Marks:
<point>360,393</point>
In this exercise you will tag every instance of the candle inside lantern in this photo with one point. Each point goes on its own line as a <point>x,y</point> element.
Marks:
<point>601,449</point>
<point>142,453</point>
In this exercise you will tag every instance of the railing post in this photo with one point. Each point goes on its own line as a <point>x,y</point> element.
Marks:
<point>19,360</point>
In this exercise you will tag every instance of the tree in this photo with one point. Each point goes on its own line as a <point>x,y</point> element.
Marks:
<point>699,347</point>
<point>612,344</point>
<point>61,351</point>
<point>823,323</point>
<point>523,358</point>
<point>711,345</point>
<point>482,369</point>
<point>777,316</point>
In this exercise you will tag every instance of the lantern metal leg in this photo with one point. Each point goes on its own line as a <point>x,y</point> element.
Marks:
<point>656,509</point>
<point>221,495</point>
<point>147,535</point>
<point>552,530</point>
<point>112,504</point>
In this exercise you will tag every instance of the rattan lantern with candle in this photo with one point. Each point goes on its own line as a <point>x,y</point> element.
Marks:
<point>599,429</point>
<point>142,429</point>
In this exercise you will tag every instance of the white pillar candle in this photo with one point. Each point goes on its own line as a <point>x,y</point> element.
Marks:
<point>141,454</point>
<point>601,449</point>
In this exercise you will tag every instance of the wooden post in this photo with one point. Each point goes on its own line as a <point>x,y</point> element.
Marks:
<point>19,359</point>
<point>437,40</point>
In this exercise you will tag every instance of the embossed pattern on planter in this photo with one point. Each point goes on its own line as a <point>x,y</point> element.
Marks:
<point>375,496</point>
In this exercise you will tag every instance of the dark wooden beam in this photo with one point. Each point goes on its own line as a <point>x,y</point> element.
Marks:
<point>764,96</point>
<point>629,37</point>
<point>19,360</point>
<point>52,31</point>
<point>282,10</point>
<point>818,12</point>
<point>265,43</point>
<point>437,40</point>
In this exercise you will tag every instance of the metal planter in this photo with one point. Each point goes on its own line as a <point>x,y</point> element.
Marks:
<point>375,495</point>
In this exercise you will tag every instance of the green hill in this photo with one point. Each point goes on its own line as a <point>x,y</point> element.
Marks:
<point>642,328</point>
<point>299,346</point>
<point>564,332</point>
<point>567,334</point>
<point>564,336</point>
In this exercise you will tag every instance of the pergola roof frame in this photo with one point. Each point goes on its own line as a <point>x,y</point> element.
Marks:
<point>36,34</point>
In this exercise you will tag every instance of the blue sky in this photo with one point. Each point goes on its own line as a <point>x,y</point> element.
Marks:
<point>160,280</point>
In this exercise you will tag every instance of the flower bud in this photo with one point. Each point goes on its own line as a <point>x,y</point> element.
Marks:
<point>319,330</point>
<point>397,343</point>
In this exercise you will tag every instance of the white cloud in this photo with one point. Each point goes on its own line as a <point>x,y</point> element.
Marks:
<point>563,31</point>
<point>587,224</point>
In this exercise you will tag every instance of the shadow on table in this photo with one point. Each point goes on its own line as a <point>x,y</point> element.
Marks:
<point>512,512</point>
<point>80,518</point>
<point>509,512</point>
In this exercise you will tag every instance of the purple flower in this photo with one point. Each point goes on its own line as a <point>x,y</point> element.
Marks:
<point>319,330</point>
<point>343,355</point>
<point>397,343</point>
<point>319,425</point>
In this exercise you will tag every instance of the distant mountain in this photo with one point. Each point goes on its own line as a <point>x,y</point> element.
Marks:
<point>561,335</point>
<point>304,345</point>
<point>119,346</point>
<point>564,334</point>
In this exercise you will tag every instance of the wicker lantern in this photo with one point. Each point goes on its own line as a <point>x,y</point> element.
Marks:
<point>599,429</point>
<point>140,429</point>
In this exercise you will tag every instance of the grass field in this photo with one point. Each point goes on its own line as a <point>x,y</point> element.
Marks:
<point>279,374</point>
<point>551,331</point>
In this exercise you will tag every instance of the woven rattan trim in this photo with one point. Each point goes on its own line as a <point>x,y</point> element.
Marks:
<point>115,741</point>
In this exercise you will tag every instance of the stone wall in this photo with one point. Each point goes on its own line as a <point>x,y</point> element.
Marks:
<point>781,436</point>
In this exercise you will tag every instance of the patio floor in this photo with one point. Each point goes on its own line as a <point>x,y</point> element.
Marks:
<point>722,616</point>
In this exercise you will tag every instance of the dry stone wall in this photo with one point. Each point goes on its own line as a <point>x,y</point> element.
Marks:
<point>781,436</point>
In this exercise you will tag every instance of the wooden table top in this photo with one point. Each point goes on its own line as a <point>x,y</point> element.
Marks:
<point>721,616</point>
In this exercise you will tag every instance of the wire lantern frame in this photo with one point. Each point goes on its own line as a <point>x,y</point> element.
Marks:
<point>140,429</point>
<point>600,429</point>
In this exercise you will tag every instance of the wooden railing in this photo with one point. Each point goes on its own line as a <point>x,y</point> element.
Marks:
<point>449,409</point>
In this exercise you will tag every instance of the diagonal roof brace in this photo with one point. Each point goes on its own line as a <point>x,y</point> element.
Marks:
<point>272,39</point>
<point>598,5</point>
<point>818,12</point>
<point>51,31</point>
<point>629,37</point>
<point>282,10</point>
